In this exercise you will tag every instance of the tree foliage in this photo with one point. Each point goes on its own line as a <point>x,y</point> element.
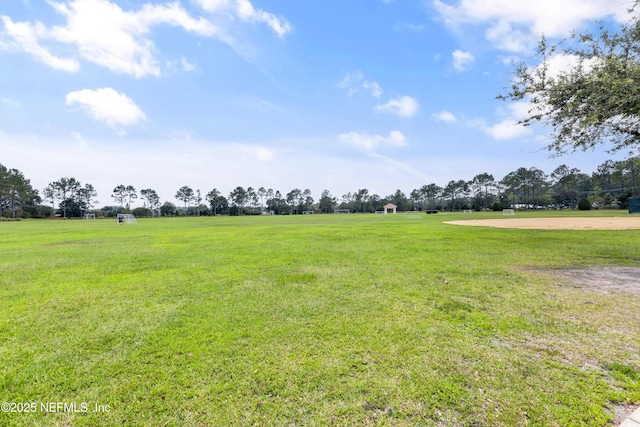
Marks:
<point>151,200</point>
<point>185,194</point>
<point>16,192</point>
<point>595,100</point>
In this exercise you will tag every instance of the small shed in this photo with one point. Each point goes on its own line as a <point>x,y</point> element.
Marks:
<point>634,205</point>
<point>390,208</point>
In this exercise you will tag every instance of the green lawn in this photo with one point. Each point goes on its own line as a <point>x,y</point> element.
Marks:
<point>312,320</point>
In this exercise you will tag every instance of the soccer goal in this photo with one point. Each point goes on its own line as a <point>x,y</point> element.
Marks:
<point>412,214</point>
<point>307,212</point>
<point>508,212</point>
<point>467,212</point>
<point>380,212</point>
<point>127,219</point>
<point>89,216</point>
<point>341,211</point>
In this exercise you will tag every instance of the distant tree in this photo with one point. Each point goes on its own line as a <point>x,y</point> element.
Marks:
<point>416,198</point>
<point>454,190</point>
<point>361,198</point>
<point>482,183</point>
<point>348,201</point>
<point>632,167</point>
<point>131,194</point>
<point>565,177</point>
<point>375,202</point>
<point>604,173</point>
<point>276,203</point>
<point>71,207</point>
<point>584,204</point>
<point>327,202</point>
<point>16,192</point>
<point>262,192</point>
<point>221,205</point>
<point>539,185</point>
<point>292,199</point>
<point>151,200</point>
<point>431,193</point>
<point>185,195</point>
<point>307,200</point>
<point>140,212</point>
<point>217,201</point>
<point>238,198</point>
<point>399,199</point>
<point>197,198</point>
<point>269,194</point>
<point>49,195</point>
<point>119,195</point>
<point>168,209</point>
<point>85,198</point>
<point>252,198</point>
<point>65,188</point>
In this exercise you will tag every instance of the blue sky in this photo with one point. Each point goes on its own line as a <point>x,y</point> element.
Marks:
<point>337,95</point>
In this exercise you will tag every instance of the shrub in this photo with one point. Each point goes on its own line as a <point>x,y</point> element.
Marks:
<point>584,204</point>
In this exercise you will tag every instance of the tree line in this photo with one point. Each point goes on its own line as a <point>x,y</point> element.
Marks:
<point>609,187</point>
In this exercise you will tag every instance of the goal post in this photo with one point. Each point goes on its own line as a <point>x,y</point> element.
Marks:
<point>341,211</point>
<point>130,219</point>
<point>126,219</point>
<point>307,212</point>
<point>90,216</point>
<point>508,212</point>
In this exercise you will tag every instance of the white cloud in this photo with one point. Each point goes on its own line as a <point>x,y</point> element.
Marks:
<point>461,59</point>
<point>559,64</point>
<point>101,32</point>
<point>374,88</point>
<point>258,153</point>
<point>516,26</point>
<point>371,142</point>
<point>508,128</point>
<point>186,65</point>
<point>244,10</point>
<point>509,60</point>
<point>353,82</point>
<point>106,35</point>
<point>444,116</point>
<point>107,105</point>
<point>404,106</point>
<point>23,36</point>
<point>350,82</point>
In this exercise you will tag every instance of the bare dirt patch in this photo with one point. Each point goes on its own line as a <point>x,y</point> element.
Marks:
<point>605,280</point>
<point>601,223</point>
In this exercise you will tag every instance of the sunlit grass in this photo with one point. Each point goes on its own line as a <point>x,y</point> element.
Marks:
<point>313,320</point>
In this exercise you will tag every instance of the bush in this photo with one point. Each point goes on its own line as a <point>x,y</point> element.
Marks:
<point>584,204</point>
<point>140,212</point>
<point>497,207</point>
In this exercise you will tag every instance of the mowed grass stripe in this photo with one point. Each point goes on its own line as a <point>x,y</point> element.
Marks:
<point>313,320</point>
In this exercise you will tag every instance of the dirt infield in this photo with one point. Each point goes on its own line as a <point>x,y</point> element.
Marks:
<point>605,223</point>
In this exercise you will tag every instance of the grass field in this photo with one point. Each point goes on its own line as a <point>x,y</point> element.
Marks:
<point>311,321</point>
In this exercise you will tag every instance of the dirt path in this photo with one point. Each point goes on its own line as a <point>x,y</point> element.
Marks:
<point>605,223</point>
